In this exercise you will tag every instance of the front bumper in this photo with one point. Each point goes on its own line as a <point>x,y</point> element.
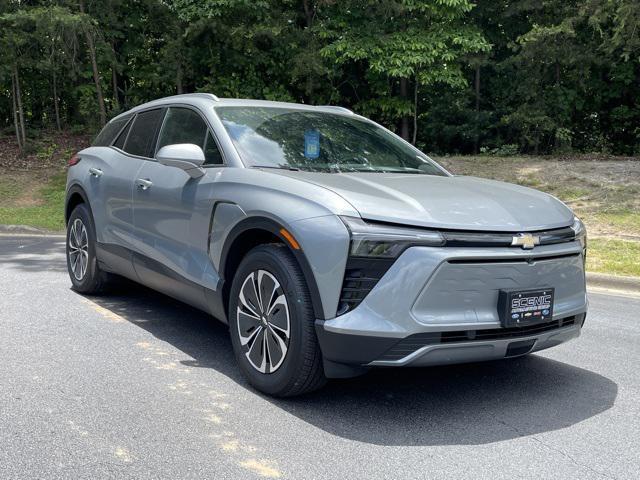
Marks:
<point>438,305</point>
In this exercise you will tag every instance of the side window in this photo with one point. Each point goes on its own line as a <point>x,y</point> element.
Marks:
<point>109,132</point>
<point>182,125</point>
<point>143,133</point>
<point>119,143</point>
<point>211,153</point>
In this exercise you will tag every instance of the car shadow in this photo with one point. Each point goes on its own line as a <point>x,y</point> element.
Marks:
<point>463,405</point>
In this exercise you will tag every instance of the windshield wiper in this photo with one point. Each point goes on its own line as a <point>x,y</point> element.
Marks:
<point>278,167</point>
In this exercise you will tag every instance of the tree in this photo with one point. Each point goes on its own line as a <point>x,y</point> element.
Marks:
<point>400,45</point>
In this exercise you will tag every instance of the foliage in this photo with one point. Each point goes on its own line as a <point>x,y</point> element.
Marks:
<point>525,76</point>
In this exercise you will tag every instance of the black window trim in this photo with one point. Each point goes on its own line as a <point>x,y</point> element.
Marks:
<point>209,130</point>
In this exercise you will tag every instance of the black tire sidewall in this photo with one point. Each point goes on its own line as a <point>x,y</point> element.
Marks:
<point>269,258</point>
<point>91,278</point>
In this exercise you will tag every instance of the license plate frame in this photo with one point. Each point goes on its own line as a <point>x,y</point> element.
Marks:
<point>522,308</point>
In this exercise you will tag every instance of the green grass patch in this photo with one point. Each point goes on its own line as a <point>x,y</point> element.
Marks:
<point>618,257</point>
<point>49,215</point>
<point>568,194</point>
<point>624,221</point>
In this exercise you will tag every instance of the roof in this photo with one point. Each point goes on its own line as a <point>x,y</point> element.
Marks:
<point>209,99</point>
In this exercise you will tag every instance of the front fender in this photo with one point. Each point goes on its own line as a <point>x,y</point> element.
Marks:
<point>322,257</point>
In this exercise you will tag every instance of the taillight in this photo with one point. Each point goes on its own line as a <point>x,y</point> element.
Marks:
<point>73,160</point>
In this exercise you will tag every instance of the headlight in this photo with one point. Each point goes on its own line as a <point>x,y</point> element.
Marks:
<point>379,240</point>
<point>578,228</point>
<point>580,232</point>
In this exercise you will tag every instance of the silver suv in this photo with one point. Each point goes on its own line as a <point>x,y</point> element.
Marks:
<point>328,244</point>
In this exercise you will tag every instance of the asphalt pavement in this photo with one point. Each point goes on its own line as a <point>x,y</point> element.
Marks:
<point>136,385</point>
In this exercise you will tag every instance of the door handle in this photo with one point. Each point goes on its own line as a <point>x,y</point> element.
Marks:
<point>143,183</point>
<point>95,172</point>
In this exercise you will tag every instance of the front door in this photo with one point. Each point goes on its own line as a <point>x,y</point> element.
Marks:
<point>172,213</point>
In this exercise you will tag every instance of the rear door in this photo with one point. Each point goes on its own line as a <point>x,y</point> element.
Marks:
<point>112,186</point>
<point>172,212</point>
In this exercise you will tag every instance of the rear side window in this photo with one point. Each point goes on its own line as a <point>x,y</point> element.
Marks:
<point>119,143</point>
<point>108,134</point>
<point>143,133</point>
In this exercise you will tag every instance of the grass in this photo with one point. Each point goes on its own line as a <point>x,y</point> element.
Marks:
<point>627,221</point>
<point>47,213</point>
<point>621,257</point>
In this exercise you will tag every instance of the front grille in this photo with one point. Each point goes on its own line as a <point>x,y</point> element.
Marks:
<point>458,238</point>
<point>410,344</point>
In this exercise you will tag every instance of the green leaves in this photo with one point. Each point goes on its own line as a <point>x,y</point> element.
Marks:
<point>542,75</point>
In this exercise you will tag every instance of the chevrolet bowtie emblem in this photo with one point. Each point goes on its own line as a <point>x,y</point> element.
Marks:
<point>525,240</point>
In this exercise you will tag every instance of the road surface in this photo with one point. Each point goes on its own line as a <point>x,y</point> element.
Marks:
<point>136,385</point>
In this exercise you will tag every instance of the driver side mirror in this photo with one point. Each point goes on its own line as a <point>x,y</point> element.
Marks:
<point>185,156</point>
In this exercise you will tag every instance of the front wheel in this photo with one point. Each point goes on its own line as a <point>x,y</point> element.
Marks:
<point>272,324</point>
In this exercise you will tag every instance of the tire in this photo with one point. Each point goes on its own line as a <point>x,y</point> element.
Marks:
<point>82,262</point>
<point>288,325</point>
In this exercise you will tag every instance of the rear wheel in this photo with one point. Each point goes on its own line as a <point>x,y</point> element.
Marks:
<point>272,324</point>
<point>82,262</point>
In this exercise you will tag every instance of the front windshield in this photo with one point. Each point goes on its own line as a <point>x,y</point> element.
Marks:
<point>300,139</point>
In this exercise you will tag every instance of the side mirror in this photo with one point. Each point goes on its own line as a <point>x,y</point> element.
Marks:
<point>185,156</point>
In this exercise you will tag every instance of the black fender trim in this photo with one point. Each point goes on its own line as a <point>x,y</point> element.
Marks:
<point>273,227</point>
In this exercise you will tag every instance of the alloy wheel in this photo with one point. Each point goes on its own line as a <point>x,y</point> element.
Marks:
<point>78,245</point>
<point>263,321</point>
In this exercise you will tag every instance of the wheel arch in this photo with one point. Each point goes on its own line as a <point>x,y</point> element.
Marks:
<point>75,196</point>
<point>250,233</point>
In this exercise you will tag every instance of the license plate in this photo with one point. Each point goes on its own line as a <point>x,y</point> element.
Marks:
<point>520,308</point>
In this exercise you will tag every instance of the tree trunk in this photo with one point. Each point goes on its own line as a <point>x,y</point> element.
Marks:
<point>308,12</point>
<point>114,80</point>
<point>94,67</point>
<point>476,140</point>
<point>20,109</point>
<point>15,112</point>
<point>415,112</point>
<point>55,100</point>
<point>179,88</point>
<point>404,122</point>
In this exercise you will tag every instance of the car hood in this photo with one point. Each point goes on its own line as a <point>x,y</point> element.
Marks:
<point>452,202</point>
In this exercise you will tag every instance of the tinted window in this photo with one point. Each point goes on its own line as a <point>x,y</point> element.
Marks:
<point>143,133</point>
<point>109,132</point>
<point>119,143</point>
<point>182,125</point>
<point>211,153</point>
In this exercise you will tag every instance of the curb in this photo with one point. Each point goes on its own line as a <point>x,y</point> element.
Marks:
<point>27,230</point>
<point>613,282</point>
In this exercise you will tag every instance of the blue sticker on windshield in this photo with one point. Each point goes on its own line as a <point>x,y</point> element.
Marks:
<point>312,144</point>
